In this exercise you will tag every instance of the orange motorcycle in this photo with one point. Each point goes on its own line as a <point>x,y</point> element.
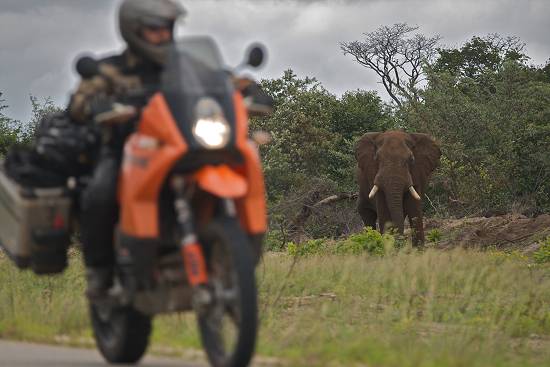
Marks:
<point>192,213</point>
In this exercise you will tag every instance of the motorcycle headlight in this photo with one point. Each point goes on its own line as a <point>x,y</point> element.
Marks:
<point>211,129</point>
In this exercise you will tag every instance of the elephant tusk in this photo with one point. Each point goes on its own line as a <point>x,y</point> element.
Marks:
<point>373,191</point>
<point>414,193</point>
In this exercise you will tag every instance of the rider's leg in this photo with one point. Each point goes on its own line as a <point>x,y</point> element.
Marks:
<point>99,214</point>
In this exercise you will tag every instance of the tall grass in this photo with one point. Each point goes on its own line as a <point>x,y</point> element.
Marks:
<point>432,308</point>
<point>39,308</point>
<point>457,308</point>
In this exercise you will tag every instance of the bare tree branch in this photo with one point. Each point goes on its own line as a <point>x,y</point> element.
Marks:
<point>397,55</point>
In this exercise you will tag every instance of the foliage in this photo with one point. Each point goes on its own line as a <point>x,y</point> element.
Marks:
<point>40,109</point>
<point>313,132</point>
<point>319,246</point>
<point>303,145</point>
<point>14,132</point>
<point>434,235</point>
<point>311,153</point>
<point>494,130</point>
<point>368,241</point>
<point>489,110</point>
<point>480,55</point>
<point>542,255</point>
<point>275,241</point>
<point>9,131</point>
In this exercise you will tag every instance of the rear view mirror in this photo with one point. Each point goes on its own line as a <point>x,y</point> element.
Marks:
<point>256,55</point>
<point>87,67</point>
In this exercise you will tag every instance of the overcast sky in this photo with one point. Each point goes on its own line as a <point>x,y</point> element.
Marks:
<point>39,39</point>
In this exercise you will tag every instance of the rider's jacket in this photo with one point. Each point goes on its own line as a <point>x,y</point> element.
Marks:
<point>123,78</point>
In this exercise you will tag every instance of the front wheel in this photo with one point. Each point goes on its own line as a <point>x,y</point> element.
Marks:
<point>121,333</point>
<point>228,325</point>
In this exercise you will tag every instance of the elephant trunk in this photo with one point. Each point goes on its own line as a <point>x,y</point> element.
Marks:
<point>394,200</point>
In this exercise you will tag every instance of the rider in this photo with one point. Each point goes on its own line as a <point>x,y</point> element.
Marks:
<point>147,27</point>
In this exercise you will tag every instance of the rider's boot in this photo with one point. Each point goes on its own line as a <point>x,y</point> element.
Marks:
<point>99,282</point>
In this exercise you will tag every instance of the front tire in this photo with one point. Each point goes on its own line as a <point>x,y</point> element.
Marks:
<point>229,325</point>
<point>121,333</point>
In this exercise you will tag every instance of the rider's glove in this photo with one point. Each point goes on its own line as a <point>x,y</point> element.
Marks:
<point>256,100</point>
<point>105,111</point>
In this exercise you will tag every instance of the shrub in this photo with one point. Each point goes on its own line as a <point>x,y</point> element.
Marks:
<point>542,255</point>
<point>368,241</point>
<point>311,247</point>
<point>274,241</point>
<point>434,235</point>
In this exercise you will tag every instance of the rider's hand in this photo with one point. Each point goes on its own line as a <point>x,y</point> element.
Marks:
<point>106,112</point>
<point>256,100</point>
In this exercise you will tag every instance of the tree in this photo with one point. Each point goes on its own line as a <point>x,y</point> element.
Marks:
<point>480,55</point>
<point>311,156</point>
<point>8,129</point>
<point>495,145</point>
<point>546,71</point>
<point>40,110</point>
<point>15,132</point>
<point>396,54</point>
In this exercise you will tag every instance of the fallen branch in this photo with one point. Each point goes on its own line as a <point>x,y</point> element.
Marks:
<point>335,198</point>
<point>296,227</point>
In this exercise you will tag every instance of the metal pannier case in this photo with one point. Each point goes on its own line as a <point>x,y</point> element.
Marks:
<point>34,225</point>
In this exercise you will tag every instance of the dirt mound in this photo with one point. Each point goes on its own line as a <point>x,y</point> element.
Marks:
<point>503,232</point>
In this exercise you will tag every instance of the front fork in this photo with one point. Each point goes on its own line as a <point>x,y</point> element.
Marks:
<point>191,250</point>
<point>193,256</point>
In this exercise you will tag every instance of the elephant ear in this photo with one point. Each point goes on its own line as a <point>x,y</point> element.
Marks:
<point>365,151</point>
<point>426,155</point>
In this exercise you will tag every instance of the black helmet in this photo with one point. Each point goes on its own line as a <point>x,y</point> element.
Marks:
<point>134,15</point>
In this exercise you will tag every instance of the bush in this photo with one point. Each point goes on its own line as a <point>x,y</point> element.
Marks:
<point>274,241</point>
<point>311,247</point>
<point>434,235</point>
<point>369,241</point>
<point>542,255</point>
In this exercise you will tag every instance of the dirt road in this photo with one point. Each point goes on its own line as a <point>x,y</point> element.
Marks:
<point>35,355</point>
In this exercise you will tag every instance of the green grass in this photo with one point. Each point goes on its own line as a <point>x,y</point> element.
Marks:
<point>431,308</point>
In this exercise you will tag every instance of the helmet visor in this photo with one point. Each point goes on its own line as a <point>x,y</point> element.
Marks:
<point>156,22</point>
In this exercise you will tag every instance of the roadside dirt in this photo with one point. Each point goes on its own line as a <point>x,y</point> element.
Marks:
<point>511,231</point>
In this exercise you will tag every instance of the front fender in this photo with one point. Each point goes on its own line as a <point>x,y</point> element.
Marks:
<point>221,181</point>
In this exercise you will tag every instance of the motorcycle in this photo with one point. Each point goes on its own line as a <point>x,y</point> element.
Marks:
<point>192,212</point>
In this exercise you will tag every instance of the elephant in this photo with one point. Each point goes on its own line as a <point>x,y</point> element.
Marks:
<point>393,172</point>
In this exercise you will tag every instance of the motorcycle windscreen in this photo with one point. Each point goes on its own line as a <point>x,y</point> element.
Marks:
<point>195,70</point>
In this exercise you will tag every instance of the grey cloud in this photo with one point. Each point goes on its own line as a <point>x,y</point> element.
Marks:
<point>26,6</point>
<point>302,35</point>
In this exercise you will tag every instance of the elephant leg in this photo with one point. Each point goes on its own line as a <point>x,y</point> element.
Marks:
<point>368,215</point>
<point>414,210</point>
<point>417,231</point>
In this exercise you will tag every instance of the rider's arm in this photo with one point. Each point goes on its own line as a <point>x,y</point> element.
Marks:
<point>88,90</point>
<point>94,95</point>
